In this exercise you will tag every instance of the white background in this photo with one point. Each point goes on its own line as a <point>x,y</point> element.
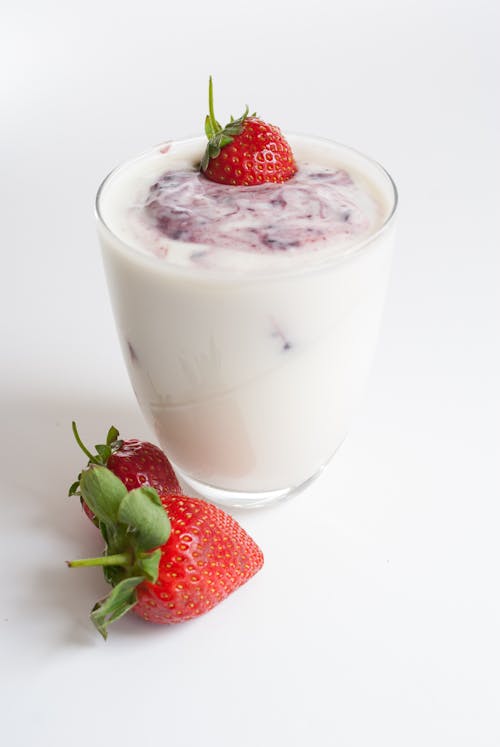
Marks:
<point>376,620</point>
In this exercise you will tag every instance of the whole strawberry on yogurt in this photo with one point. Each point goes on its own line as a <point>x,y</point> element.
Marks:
<point>246,151</point>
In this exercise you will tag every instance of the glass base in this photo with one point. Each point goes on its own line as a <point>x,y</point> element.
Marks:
<point>240,499</point>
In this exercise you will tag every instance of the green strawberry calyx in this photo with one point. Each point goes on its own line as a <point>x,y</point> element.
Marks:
<point>135,526</point>
<point>218,136</point>
<point>103,452</point>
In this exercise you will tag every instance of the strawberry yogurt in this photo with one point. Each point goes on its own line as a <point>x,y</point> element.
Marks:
<point>248,316</point>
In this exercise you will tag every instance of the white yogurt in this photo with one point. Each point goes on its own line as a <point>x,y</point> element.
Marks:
<point>249,361</point>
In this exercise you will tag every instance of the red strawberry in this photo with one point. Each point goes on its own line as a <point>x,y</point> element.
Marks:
<point>208,556</point>
<point>135,462</point>
<point>139,463</point>
<point>169,558</point>
<point>246,151</point>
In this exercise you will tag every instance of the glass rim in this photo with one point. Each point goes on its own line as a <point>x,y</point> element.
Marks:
<point>242,276</point>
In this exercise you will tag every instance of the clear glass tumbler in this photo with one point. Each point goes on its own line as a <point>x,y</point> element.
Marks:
<point>249,381</point>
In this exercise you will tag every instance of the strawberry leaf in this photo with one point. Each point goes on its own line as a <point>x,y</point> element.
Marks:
<point>104,452</point>
<point>149,564</point>
<point>103,492</point>
<point>112,436</point>
<point>209,129</point>
<point>119,601</point>
<point>142,511</point>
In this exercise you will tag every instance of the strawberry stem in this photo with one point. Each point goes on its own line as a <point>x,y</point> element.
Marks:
<point>82,445</point>
<point>123,558</point>
<point>211,112</point>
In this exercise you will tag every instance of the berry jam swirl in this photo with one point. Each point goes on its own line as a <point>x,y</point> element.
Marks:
<point>314,207</point>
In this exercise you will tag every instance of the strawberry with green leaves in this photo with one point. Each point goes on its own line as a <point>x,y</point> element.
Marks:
<point>135,462</point>
<point>245,152</point>
<point>168,557</point>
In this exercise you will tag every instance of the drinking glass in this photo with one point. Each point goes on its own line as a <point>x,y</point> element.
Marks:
<point>250,381</point>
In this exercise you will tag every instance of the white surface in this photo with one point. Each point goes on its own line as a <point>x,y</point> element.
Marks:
<point>376,618</point>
